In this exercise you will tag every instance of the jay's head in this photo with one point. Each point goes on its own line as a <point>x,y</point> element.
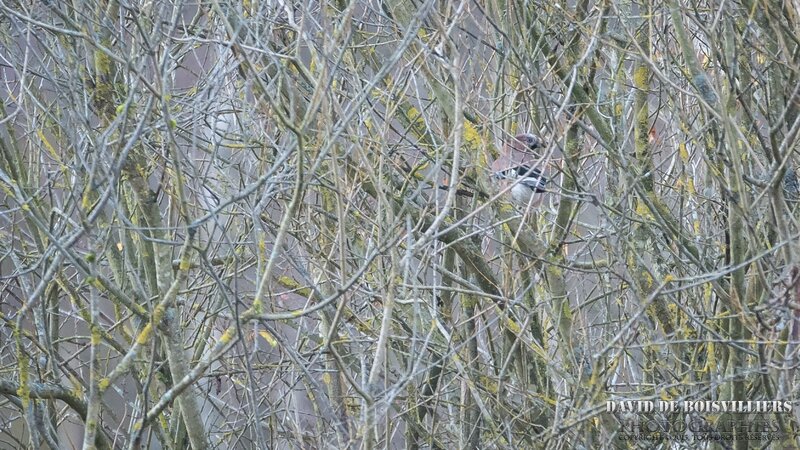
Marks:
<point>523,148</point>
<point>526,142</point>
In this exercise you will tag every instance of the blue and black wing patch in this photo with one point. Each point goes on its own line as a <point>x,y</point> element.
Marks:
<point>528,176</point>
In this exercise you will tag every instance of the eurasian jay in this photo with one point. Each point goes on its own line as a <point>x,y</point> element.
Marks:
<point>518,166</point>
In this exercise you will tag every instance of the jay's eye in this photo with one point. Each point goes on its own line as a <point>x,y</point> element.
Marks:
<point>532,142</point>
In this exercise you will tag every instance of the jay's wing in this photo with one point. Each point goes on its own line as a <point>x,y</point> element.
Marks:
<point>530,177</point>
